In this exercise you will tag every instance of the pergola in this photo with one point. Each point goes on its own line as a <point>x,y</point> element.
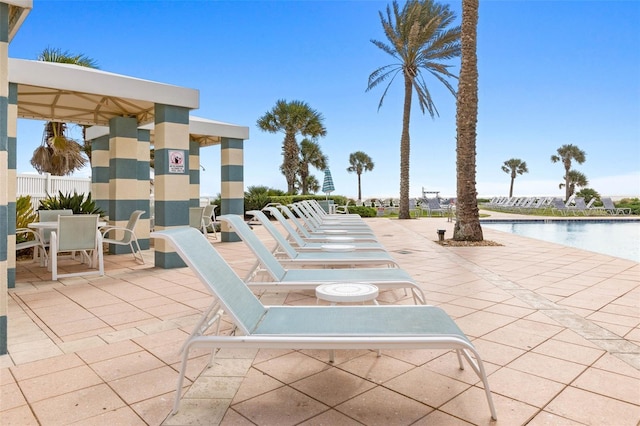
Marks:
<point>134,113</point>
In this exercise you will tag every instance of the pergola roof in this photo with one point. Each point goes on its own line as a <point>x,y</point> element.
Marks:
<point>206,132</point>
<point>70,93</point>
<point>18,11</point>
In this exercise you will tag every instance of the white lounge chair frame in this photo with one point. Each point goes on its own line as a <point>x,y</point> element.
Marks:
<point>304,246</point>
<point>308,327</point>
<point>296,239</point>
<point>355,259</point>
<point>309,279</point>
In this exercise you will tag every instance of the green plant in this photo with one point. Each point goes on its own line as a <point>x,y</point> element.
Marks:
<point>630,203</point>
<point>24,215</point>
<point>363,211</point>
<point>76,202</point>
<point>588,194</point>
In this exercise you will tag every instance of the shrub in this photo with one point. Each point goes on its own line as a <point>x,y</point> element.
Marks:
<point>24,215</point>
<point>588,194</point>
<point>630,203</point>
<point>76,202</point>
<point>363,211</point>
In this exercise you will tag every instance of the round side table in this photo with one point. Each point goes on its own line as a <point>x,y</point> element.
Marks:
<point>347,292</point>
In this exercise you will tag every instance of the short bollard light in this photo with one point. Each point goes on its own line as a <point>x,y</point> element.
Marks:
<point>441,234</point>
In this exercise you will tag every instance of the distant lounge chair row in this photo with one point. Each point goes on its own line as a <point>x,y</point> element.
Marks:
<point>574,206</point>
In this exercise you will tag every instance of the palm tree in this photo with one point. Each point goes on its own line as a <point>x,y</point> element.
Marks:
<point>514,166</point>
<point>566,154</point>
<point>420,40</point>
<point>58,153</point>
<point>360,163</point>
<point>312,183</point>
<point>292,118</point>
<point>310,154</point>
<point>574,179</point>
<point>467,227</point>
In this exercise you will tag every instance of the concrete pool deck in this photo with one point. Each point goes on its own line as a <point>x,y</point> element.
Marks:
<point>557,327</point>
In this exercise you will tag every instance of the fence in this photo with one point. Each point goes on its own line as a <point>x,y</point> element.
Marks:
<point>39,186</point>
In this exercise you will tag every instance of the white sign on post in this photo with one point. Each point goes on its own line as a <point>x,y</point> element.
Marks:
<point>176,161</point>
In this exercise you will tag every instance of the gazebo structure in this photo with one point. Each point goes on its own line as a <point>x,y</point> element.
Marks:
<point>134,112</point>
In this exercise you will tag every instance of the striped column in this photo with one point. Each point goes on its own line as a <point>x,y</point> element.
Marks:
<point>194,173</point>
<point>12,132</point>
<point>171,184</point>
<point>4,171</point>
<point>232,183</point>
<point>124,196</point>
<point>144,187</point>
<point>100,172</point>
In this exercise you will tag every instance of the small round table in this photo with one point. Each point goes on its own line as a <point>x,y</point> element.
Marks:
<point>347,292</point>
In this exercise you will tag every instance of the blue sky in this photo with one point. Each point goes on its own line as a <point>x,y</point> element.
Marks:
<point>551,73</point>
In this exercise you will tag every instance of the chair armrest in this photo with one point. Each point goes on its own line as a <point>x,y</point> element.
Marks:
<point>106,229</point>
<point>36,235</point>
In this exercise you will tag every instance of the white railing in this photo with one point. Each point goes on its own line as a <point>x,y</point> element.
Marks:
<point>39,186</point>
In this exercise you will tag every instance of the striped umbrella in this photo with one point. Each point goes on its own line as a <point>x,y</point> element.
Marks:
<point>327,185</point>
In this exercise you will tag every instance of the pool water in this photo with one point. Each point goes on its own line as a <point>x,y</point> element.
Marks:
<point>619,239</point>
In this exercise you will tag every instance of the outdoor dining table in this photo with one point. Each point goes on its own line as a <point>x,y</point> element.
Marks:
<point>52,226</point>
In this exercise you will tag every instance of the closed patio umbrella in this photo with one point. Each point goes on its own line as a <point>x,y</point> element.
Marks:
<point>327,184</point>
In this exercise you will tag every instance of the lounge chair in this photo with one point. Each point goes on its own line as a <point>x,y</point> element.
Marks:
<point>323,233</point>
<point>558,206</point>
<point>326,258</point>
<point>433,206</point>
<point>305,246</point>
<point>309,279</point>
<point>610,208</point>
<point>298,239</point>
<point>308,327</point>
<point>314,223</point>
<point>340,216</point>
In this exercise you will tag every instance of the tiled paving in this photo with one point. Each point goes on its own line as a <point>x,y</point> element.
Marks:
<point>558,329</point>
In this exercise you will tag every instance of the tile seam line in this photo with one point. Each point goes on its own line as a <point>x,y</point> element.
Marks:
<point>627,351</point>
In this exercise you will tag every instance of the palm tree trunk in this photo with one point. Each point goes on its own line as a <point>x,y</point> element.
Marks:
<point>405,148</point>
<point>359,188</point>
<point>290,163</point>
<point>467,226</point>
<point>511,187</point>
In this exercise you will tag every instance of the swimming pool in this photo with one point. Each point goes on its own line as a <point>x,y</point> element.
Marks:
<point>614,238</point>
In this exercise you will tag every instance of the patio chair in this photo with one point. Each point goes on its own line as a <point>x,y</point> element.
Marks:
<point>77,233</point>
<point>308,327</point>
<point>209,221</point>
<point>195,218</point>
<point>316,243</point>
<point>50,216</point>
<point>128,235</point>
<point>323,233</point>
<point>610,208</point>
<point>325,258</point>
<point>31,239</point>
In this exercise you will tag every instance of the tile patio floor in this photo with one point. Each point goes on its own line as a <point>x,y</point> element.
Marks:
<point>558,329</point>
